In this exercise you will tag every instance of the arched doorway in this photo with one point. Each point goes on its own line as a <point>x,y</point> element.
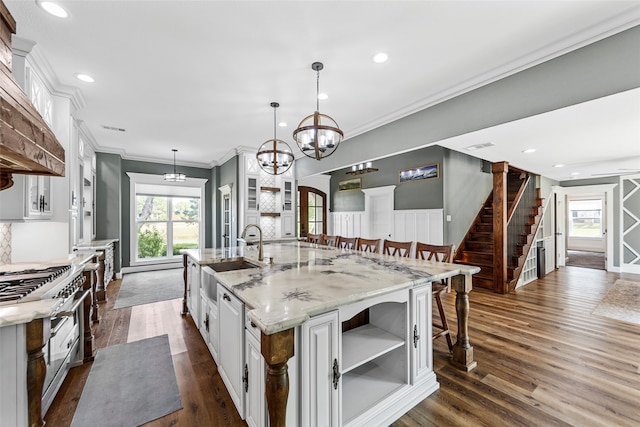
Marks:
<point>312,211</point>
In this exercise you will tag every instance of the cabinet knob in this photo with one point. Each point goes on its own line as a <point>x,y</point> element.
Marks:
<point>225,296</point>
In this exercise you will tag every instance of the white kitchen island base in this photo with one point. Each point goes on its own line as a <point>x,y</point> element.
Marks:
<point>354,329</point>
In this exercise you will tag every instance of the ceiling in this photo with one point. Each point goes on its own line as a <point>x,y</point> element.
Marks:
<point>198,76</point>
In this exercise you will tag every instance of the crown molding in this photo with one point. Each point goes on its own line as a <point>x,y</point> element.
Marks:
<point>41,66</point>
<point>623,21</point>
<point>123,154</point>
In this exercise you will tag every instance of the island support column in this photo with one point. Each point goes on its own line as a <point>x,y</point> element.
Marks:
<point>277,349</point>
<point>462,349</point>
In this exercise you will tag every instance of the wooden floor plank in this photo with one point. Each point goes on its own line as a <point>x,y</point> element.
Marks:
<point>543,359</point>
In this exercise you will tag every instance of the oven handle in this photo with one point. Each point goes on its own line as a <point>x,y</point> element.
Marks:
<point>73,309</point>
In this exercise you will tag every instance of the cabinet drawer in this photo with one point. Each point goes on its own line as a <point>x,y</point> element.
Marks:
<point>251,327</point>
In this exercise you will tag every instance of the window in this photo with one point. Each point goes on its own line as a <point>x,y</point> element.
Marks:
<point>585,218</point>
<point>166,224</point>
<point>165,217</point>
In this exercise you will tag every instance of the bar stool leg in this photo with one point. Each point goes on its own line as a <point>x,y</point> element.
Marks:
<point>443,318</point>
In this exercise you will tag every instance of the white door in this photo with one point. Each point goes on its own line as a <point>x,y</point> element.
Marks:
<point>320,388</point>
<point>231,345</point>
<point>254,376</point>
<point>420,336</point>
<point>378,206</point>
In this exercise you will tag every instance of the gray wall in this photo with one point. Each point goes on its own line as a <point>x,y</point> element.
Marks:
<point>616,207</point>
<point>603,68</point>
<point>108,196</point>
<point>156,169</point>
<point>425,194</point>
<point>466,188</point>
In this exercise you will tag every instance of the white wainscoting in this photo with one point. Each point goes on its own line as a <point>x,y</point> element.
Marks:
<point>348,224</point>
<point>419,225</point>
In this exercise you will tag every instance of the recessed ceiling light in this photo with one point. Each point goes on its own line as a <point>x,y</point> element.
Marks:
<point>282,124</point>
<point>323,96</point>
<point>529,150</point>
<point>54,9</point>
<point>380,58</point>
<point>84,77</point>
<point>558,166</point>
<point>575,173</point>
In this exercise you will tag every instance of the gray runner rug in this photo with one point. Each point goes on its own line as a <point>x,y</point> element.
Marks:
<point>150,286</point>
<point>129,385</point>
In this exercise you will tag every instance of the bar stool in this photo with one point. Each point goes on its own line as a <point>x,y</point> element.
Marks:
<point>328,240</point>
<point>313,238</point>
<point>347,242</point>
<point>368,245</point>
<point>401,249</point>
<point>438,253</point>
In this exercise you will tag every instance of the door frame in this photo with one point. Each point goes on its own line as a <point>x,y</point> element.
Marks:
<point>304,213</point>
<point>561,223</point>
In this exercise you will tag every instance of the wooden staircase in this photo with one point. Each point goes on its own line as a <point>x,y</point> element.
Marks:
<point>478,246</point>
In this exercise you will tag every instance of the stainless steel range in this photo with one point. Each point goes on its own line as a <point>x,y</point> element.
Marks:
<point>63,330</point>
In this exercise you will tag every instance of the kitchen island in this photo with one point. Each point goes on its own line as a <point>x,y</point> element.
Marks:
<point>304,296</point>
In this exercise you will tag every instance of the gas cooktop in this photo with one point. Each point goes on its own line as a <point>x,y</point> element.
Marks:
<point>33,284</point>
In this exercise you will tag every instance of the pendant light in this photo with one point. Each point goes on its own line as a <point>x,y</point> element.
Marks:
<point>318,135</point>
<point>275,156</point>
<point>175,176</point>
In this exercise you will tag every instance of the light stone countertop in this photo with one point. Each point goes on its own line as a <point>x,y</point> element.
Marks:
<point>97,244</point>
<point>14,314</point>
<point>307,279</point>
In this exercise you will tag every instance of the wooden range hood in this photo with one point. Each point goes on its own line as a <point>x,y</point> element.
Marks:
<point>27,144</point>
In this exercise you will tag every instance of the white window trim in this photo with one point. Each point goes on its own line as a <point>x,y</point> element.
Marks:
<point>143,178</point>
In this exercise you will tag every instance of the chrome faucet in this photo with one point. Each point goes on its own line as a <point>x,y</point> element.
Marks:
<point>244,233</point>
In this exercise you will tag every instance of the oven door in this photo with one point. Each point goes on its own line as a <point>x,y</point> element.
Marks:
<point>63,347</point>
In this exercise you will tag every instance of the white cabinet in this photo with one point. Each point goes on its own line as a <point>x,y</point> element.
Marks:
<point>359,364</point>
<point>231,345</point>
<point>422,354</point>
<point>288,207</point>
<point>252,200</point>
<point>193,288</point>
<point>254,382</point>
<point>39,197</point>
<point>28,198</point>
<point>320,381</point>
<point>209,306</point>
<point>267,200</point>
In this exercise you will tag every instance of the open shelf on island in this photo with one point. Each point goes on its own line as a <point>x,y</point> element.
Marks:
<point>365,343</point>
<point>366,386</point>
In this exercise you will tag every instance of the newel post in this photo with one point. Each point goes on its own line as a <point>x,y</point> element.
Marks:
<point>500,170</point>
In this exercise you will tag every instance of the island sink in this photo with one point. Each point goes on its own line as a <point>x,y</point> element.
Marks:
<point>232,264</point>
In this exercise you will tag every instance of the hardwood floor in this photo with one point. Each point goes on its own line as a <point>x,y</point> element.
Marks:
<point>543,360</point>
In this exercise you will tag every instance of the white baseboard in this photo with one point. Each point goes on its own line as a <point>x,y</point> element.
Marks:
<point>150,267</point>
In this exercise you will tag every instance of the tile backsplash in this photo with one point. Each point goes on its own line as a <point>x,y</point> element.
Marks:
<point>5,243</point>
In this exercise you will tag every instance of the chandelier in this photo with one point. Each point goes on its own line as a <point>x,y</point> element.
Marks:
<point>175,176</point>
<point>275,156</point>
<point>318,135</point>
<point>361,168</point>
